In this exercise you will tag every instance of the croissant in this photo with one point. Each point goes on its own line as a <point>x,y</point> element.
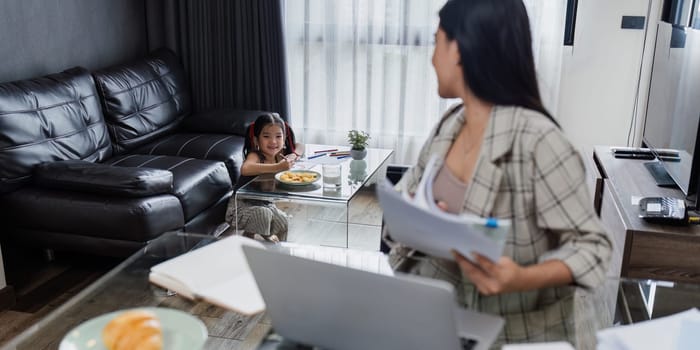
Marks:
<point>133,330</point>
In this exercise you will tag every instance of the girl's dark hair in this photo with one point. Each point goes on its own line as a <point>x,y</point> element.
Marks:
<point>495,48</point>
<point>256,128</point>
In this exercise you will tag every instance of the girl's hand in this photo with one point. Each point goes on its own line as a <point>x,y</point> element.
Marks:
<point>492,278</point>
<point>292,157</point>
<point>285,164</point>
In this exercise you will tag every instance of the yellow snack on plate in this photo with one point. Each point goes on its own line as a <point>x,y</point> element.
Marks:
<point>133,330</point>
<point>298,177</point>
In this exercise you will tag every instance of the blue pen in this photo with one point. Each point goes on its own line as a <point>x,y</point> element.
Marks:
<point>316,156</point>
<point>343,157</point>
<point>491,222</point>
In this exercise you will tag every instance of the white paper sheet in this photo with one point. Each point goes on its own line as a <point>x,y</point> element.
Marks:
<point>558,345</point>
<point>679,331</point>
<point>418,223</point>
<point>326,159</point>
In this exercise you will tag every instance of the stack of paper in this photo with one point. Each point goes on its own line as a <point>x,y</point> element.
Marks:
<point>370,261</point>
<point>419,223</point>
<point>559,345</point>
<point>679,331</point>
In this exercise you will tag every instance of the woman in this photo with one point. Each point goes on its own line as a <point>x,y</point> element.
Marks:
<point>504,156</point>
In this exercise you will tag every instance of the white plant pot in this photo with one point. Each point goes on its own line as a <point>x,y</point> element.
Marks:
<point>358,154</point>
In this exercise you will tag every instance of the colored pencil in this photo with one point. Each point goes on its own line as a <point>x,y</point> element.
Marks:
<point>343,157</point>
<point>316,156</point>
<point>327,150</point>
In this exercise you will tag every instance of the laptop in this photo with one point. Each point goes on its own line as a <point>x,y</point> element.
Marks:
<point>335,307</point>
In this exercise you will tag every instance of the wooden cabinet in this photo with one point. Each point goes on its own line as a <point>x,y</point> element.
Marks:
<point>642,249</point>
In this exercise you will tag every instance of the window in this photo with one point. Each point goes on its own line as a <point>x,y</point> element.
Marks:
<point>366,64</point>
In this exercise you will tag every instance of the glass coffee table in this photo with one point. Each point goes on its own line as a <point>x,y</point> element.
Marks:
<point>326,210</point>
<point>127,286</point>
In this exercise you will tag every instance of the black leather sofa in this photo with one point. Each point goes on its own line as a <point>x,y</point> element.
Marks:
<point>104,162</point>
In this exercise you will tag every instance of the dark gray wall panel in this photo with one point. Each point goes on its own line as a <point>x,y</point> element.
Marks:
<point>38,37</point>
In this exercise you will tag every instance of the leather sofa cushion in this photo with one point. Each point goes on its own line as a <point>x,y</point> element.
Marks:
<point>56,117</point>
<point>143,100</point>
<point>94,215</point>
<point>198,184</point>
<point>60,241</point>
<point>99,178</point>
<point>218,147</point>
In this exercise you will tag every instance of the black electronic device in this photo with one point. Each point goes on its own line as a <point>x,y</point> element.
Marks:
<point>634,156</point>
<point>647,157</point>
<point>620,151</point>
<point>662,209</point>
<point>672,120</point>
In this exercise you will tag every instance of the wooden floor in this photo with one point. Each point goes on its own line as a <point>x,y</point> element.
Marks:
<point>356,227</point>
<point>41,287</point>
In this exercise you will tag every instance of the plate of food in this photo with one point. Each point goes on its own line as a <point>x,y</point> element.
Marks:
<point>152,328</point>
<point>298,177</point>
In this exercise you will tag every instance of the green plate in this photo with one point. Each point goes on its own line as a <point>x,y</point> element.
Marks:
<point>278,177</point>
<point>180,331</point>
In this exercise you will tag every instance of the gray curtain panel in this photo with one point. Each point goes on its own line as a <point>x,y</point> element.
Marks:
<point>233,51</point>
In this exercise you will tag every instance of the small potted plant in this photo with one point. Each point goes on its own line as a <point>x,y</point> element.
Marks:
<point>359,141</point>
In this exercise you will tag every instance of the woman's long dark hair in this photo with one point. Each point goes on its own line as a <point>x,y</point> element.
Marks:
<point>255,129</point>
<point>495,48</point>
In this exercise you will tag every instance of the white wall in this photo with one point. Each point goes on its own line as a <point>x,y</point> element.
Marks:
<point>601,73</point>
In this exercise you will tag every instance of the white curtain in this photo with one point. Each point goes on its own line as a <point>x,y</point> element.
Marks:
<point>547,19</point>
<point>365,64</point>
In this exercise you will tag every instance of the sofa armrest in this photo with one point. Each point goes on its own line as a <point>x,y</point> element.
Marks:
<point>221,121</point>
<point>83,176</point>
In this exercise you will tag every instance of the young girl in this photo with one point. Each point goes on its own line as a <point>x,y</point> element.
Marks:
<point>269,148</point>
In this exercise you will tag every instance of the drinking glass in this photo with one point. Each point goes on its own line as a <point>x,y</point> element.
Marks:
<point>332,175</point>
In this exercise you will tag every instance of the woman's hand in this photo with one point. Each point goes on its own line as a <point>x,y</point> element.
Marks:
<point>492,278</point>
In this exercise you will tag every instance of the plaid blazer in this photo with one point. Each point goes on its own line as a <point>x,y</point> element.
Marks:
<point>527,172</point>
